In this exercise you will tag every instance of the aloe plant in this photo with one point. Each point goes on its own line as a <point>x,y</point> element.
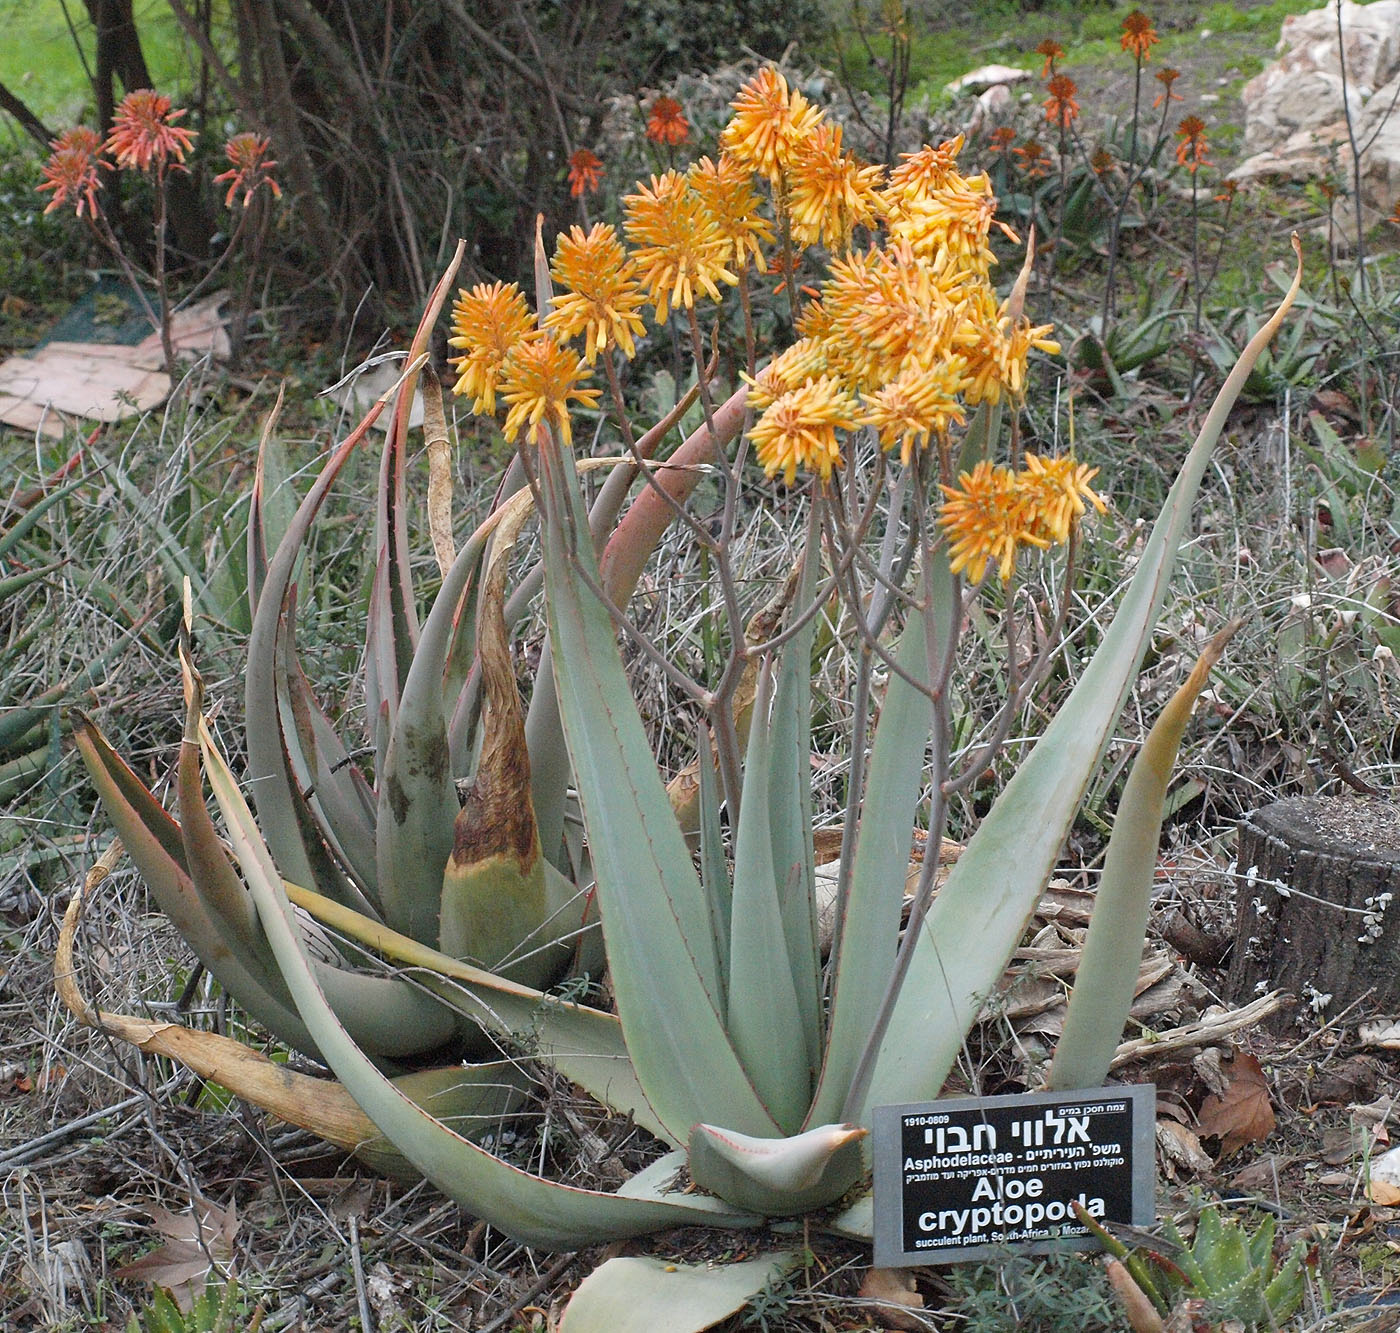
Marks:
<point>755,1063</point>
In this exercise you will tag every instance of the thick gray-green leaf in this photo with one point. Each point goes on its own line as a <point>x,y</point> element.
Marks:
<point>765,1018</point>
<point>1112,955</point>
<point>417,795</point>
<point>777,1177</point>
<point>868,912</point>
<point>655,918</point>
<point>790,811</point>
<point>636,1294</point>
<point>526,1207</point>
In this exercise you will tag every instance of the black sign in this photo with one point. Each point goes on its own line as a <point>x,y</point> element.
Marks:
<point>962,1179</point>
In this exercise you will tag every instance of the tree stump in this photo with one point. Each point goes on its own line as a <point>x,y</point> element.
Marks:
<point>1318,884</point>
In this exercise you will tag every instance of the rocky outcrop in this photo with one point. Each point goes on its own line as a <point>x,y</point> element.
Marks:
<point>1295,113</point>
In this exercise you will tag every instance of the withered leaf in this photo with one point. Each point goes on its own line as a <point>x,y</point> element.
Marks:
<point>1242,1113</point>
<point>195,1241</point>
<point>894,1290</point>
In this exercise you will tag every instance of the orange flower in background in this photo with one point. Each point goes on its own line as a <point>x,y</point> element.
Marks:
<point>1229,187</point>
<point>144,133</point>
<point>1166,77</point>
<point>1191,151</point>
<point>71,171</point>
<point>1001,140</point>
<point>585,172</point>
<point>1035,160</point>
<point>1139,36</point>
<point>1102,161</point>
<point>1052,51</point>
<point>666,122</point>
<point>250,168</point>
<point>1060,106</point>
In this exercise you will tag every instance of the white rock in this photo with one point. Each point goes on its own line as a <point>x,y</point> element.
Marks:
<point>987,76</point>
<point>1295,117</point>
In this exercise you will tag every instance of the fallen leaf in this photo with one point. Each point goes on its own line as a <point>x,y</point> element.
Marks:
<point>1260,1177</point>
<point>196,1241</point>
<point>1242,1113</point>
<point>1383,1187</point>
<point>893,1290</point>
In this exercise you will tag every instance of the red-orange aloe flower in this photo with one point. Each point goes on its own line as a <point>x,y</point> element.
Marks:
<point>1002,138</point>
<point>1138,36</point>
<point>1052,51</point>
<point>1166,77</point>
<point>144,132</point>
<point>1191,151</point>
<point>666,122</point>
<point>1035,161</point>
<point>1060,106</point>
<point>585,172</point>
<point>71,171</point>
<point>1229,188</point>
<point>251,167</point>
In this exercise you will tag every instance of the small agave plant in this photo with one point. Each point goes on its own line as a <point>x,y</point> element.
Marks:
<point>752,1052</point>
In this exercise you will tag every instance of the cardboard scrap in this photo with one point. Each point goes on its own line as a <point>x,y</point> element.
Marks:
<point>103,381</point>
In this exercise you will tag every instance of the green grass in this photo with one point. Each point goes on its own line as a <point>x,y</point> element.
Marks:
<point>40,63</point>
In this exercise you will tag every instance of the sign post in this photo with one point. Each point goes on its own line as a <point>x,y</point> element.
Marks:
<point>970,1177</point>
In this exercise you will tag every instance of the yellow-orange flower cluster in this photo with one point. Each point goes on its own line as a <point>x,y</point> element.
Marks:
<point>679,247</point>
<point>769,123</point>
<point>602,297</point>
<point>904,336</point>
<point>488,323</point>
<point>993,511</point>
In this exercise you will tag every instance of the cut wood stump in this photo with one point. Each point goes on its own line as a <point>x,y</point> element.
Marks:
<point>1319,907</point>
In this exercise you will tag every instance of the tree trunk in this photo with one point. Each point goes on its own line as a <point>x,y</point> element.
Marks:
<point>1319,880</point>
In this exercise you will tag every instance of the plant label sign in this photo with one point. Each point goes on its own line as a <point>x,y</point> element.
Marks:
<point>974,1176</point>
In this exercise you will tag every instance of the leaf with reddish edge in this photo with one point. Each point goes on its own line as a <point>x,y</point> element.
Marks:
<point>152,840</point>
<point>417,798</point>
<point>529,1209</point>
<point>389,1015</point>
<point>392,631</point>
<point>270,772</point>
